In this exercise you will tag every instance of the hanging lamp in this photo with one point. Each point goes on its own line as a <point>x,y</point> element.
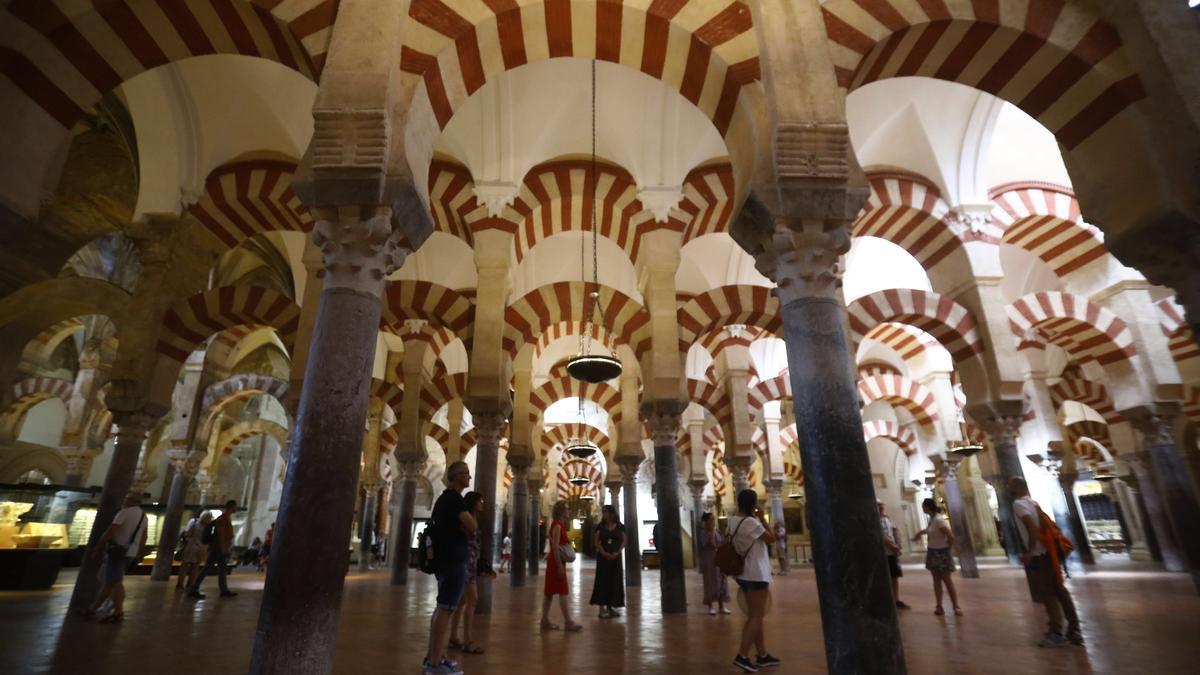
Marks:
<point>581,449</point>
<point>586,366</point>
<point>579,480</point>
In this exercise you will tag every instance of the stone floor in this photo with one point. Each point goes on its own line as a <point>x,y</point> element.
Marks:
<point>1135,620</point>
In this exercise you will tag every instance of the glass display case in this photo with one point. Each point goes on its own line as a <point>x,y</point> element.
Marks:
<point>45,516</point>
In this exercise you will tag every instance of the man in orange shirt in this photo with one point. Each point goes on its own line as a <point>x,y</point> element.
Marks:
<point>220,544</point>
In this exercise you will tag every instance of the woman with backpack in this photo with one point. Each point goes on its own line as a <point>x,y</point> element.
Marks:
<point>938,559</point>
<point>750,537</point>
<point>195,551</point>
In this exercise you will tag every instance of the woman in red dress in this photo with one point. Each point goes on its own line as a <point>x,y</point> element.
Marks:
<point>556,571</point>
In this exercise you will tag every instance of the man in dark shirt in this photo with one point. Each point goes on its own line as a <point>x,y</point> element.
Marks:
<point>452,523</point>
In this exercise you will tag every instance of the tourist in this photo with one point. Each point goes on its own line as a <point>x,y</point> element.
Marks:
<point>608,591</point>
<point>220,543</point>
<point>891,546</point>
<point>751,537</point>
<point>1044,570</point>
<point>556,571</point>
<point>475,566</point>
<point>252,552</point>
<point>781,550</point>
<point>715,588</point>
<point>938,559</point>
<point>506,553</point>
<point>264,556</point>
<point>452,525</point>
<point>119,546</point>
<point>195,551</point>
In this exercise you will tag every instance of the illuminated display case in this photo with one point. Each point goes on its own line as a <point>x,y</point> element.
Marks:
<point>45,516</point>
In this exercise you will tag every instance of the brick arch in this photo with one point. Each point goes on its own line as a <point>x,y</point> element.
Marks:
<point>914,397</point>
<point>71,54</point>
<point>719,339</point>
<point>735,304</point>
<point>28,393</point>
<point>1092,394</point>
<point>701,49</point>
<point>193,320</point>
<point>554,390</point>
<point>1181,341</point>
<point>709,196</point>
<point>1055,60</point>
<point>439,391</point>
<point>45,342</point>
<point>245,199</point>
<point>718,475</point>
<point>1084,329</point>
<point>946,320</point>
<point>712,397</point>
<point>573,329</point>
<point>909,342</point>
<point>908,211</point>
<point>390,394</point>
<point>1093,429</point>
<point>561,434</point>
<point>241,431</point>
<point>1045,220</point>
<point>773,389</point>
<point>245,384</point>
<point>794,472</point>
<point>563,301</point>
<point>441,307</point>
<point>901,436</point>
<point>874,367</point>
<point>575,468</point>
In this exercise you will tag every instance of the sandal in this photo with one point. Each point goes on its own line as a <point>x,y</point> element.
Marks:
<point>574,627</point>
<point>472,648</point>
<point>113,618</point>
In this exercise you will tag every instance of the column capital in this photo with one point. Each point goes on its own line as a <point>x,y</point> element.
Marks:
<point>799,254</point>
<point>359,246</point>
<point>1156,423</point>
<point>629,468</point>
<point>739,468</point>
<point>489,423</point>
<point>697,486</point>
<point>1000,420</point>
<point>664,419</point>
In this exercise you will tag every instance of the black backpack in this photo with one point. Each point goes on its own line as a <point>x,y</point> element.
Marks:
<point>425,560</point>
<point>209,535</point>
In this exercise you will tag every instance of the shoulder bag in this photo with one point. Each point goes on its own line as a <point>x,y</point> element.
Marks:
<point>566,552</point>
<point>729,561</point>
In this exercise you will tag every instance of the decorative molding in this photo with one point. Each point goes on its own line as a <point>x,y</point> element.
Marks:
<point>812,150</point>
<point>496,195</point>
<point>660,201</point>
<point>359,245</point>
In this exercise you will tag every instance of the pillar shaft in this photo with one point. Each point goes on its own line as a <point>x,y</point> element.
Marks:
<point>406,500</point>
<point>520,524</point>
<point>169,530</point>
<point>664,428</point>
<point>958,520</point>
<point>535,533</point>
<point>697,487</point>
<point>488,424</point>
<point>1002,429</point>
<point>633,543</point>
<point>1170,476</point>
<point>366,527</point>
<point>1083,548</point>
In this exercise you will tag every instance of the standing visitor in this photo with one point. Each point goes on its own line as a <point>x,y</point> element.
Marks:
<point>751,537</point>
<point>475,567</point>
<point>195,551</point>
<point>609,590</point>
<point>265,556</point>
<point>119,546</point>
<point>556,571</point>
<point>1044,569</point>
<point>891,546</point>
<point>220,543</point>
<point>506,553</point>
<point>781,550</point>
<point>715,588</point>
<point>938,559</point>
<point>452,525</point>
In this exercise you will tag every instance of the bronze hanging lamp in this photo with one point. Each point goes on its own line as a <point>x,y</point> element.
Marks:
<point>586,366</point>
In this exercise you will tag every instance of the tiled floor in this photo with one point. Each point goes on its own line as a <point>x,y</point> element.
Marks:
<point>1135,621</point>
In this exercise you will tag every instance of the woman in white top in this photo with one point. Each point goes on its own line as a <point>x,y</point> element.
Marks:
<point>751,537</point>
<point>938,560</point>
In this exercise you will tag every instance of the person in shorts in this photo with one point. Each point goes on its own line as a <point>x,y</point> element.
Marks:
<point>750,536</point>
<point>891,546</point>
<point>452,524</point>
<point>120,545</point>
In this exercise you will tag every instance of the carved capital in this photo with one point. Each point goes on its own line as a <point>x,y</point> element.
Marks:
<point>629,470</point>
<point>812,150</point>
<point>739,468</point>
<point>697,487</point>
<point>488,425</point>
<point>350,139</point>
<point>359,246</point>
<point>802,258</point>
<point>1001,420</point>
<point>664,428</point>
<point>1156,423</point>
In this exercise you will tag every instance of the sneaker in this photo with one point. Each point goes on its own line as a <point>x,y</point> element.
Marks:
<point>712,611</point>
<point>1075,638</point>
<point>227,594</point>
<point>745,664</point>
<point>1053,640</point>
<point>766,661</point>
<point>196,595</point>
<point>443,668</point>
<point>902,605</point>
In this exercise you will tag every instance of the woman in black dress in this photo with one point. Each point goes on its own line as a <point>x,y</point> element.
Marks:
<point>609,591</point>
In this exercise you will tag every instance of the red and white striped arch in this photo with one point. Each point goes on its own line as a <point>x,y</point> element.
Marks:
<point>578,468</point>
<point>573,329</point>
<point>390,394</point>
<point>909,342</point>
<point>1181,340</point>
<point>774,389</point>
<point>908,211</point>
<point>793,472</point>
<point>552,391</point>
<point>49,339</point>
<point>914,397</point>
<point>1092,394</point>
<point>719,339</point>
<point>192,320</point>
<point>528,316</point>
<point>237,386</point>
<point>712,397</point>
<point>717,308</point>
<point>1097,431</point>
<point>1191,403</point>
<point>718,475</point>
<point>28,393</point>
<point>708,200</point>
<point>242,431</point>
<point>437,337</point>
<point>1081,327</point>
<point>452,200</point>
<point>788,435</point>
<point>901,436</point>
<point>873,368</point>
<point>248,198</point>
<point>705,50</point>
<point>438,391</point>
<point>562,434</point>
<point>1044,219</point>
<point>65,55</point>
<point>442,307</point>
<point>1056,60</point>
<point>947,321</point>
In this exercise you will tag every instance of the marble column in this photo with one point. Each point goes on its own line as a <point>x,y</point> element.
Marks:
<point>1129,515</point>
<point>614,495</point>
<point>1070,521</point>
<point>739,471</point>
<point>298,619</point>
<point>800,254</point>
<point>132,427</point>
<point>1170,475</point>
<point>664,430</point>
<point>1151,501</point>
<point>406,499</point>
<point>775,491</point>
<point>958,519</point>
<point>633,549</point>
<point>1002,430</point>
<point>79,466</point>
<point>488,424</point>
<point>697,488</point>
<point>535,531</point>
<point>178,455</point>
<point>366,525</point>
<point>520,521</point>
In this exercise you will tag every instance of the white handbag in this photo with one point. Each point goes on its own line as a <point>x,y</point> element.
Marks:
<point>566,552</point>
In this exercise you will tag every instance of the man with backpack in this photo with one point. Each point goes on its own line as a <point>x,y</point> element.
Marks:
<point>219,538</point>
<point>452,524</point>
<point>1042,556</point>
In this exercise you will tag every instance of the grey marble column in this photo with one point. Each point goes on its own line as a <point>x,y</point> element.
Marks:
<point>489,421</point>
<point>1076,529</point>
<point>958,520</point>
<point>697,488</point>
<point>1171,476</point>
<point>1162,537</point>
<point>664,417</point>
<point>520,522</point>
<point>131,434</point>
<point>406,498</point>
<point>775,491</point>
<point>740,472</point>
<point>366,526</point>
<point>633,546</point>
<point>169,531</point>
<point>298,618</point>
<point>1002,430</point>
<point>535,532</point>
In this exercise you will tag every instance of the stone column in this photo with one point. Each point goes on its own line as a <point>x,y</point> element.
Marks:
<point>132,427</point>
<point>520,521</point>
<point>488,424</point>
<point>1083,547</point>
<point>369,482</point>
<point>664,429</point>
<point>1171,477</point>
<point>1123,493</point>
<point>800,254</point>
<point>697,487</point>
<point>406,498</point>
<point>298,619</point>
<point>179,456</point>
<point>1152,503</point>
<point>958,519</point>
<point>775,490</point>
<point>1002,430</point>
<point>79,465</point>
<point>633,549</point>
<point>205,482</point>
<point>366,524</point>
<point>739,470</point>
<point>535,533</point>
